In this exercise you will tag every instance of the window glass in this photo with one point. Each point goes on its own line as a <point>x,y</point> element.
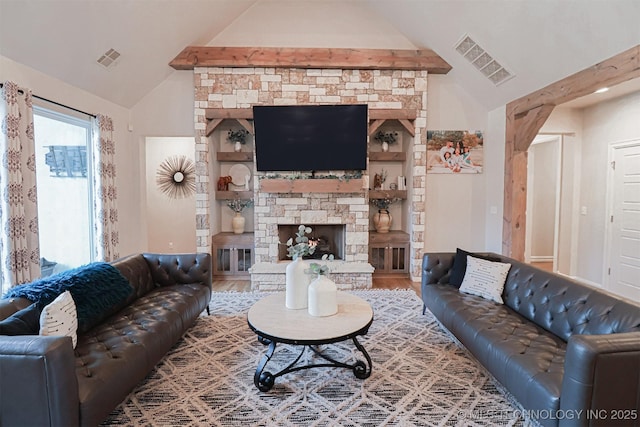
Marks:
<point>63,144</point>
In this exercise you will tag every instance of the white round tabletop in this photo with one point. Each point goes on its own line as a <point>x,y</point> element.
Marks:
<point>271,319</point>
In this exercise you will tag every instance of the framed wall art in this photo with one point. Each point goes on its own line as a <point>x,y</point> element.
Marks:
<point>455,151</point>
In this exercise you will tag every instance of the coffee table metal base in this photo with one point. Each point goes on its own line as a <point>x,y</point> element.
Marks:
<point>265,380</point>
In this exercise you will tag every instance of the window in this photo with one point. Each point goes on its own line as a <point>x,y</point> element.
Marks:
<point>63,173</point>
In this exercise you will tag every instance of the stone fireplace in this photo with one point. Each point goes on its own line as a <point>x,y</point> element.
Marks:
<point>227,89</point>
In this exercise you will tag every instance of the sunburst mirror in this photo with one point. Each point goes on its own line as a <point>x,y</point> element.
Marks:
<point>176,177</point>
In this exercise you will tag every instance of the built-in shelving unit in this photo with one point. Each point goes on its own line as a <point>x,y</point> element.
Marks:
<point>234,156</point>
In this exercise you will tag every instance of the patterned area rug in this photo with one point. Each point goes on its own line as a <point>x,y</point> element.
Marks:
<point>420,377</point>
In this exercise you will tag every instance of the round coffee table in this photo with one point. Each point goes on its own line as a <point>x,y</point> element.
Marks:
<point>274,323</point>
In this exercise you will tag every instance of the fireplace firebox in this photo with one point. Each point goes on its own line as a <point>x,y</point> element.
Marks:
<point>328,240</point>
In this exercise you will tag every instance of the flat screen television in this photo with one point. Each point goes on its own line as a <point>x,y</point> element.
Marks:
<point>310,137</point>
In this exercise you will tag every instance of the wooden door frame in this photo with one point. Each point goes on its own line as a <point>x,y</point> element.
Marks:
<point>524,118</point>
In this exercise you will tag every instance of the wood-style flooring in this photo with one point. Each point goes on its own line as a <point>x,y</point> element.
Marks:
<point>378,283</point>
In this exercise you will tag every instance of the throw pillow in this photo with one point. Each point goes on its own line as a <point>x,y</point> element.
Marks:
<point>460,265</point>
<point>60,318</point>
<point>95,288</point>
<point>485,278</point>
<point>23,322</point>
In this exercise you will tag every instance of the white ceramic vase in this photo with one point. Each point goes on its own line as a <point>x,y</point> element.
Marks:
<point>385,146</point>
<point>237,223</point>
<point>297,284</point>
<point>323,297</point>
<point>237,147</point>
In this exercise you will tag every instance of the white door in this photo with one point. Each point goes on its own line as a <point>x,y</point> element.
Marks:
<point>624,260</point>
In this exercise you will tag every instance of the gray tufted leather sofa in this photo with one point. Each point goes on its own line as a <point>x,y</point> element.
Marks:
<point>569,353</point>
<point>45,382</point>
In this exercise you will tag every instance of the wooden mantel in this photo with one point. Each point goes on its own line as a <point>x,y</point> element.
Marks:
<point>365,59</point>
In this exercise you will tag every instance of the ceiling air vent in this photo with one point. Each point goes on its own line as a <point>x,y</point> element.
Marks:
<point>484,62</point>
<point>108,59</point>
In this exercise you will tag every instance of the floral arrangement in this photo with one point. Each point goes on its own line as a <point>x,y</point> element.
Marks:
<point>238,205</point>
<point>388,137</point>
<point>318,269</point>
<point>239,135</point>
<point>383,204</point>
<point>301,247</point>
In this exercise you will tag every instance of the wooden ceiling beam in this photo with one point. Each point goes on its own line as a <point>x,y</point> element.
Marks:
<point>524,118</point>
<point>374,59</point>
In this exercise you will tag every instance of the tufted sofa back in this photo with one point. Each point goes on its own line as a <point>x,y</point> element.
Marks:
<point>167,269</point>
<point>566,307</point>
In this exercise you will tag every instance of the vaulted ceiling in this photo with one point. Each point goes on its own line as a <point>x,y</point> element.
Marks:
<point>539,42</point>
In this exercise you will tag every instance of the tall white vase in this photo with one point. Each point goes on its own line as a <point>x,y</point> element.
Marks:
<point>237,223</point>
<point>297,284</point>
<point>323,297</point>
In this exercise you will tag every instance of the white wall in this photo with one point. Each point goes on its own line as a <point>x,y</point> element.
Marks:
<point>126,158</point>
<point>494,147</point>
<point>583,213</point>
<point>456,204</point>
<point>543,160</point>
<point>171,224</point>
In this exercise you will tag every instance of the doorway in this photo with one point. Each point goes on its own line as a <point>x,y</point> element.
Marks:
<point>544,171</point>
<point>622,252</point>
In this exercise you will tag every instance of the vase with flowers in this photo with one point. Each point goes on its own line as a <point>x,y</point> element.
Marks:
<point>238,137</point>
<point>386,139</point>
<point>238,221</point>
<point>297,278</point>
<point>323,293</point>
<point>382,219</point>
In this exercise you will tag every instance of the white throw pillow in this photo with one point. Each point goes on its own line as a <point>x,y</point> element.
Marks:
<point>60,318</point>
<point>485,278</point>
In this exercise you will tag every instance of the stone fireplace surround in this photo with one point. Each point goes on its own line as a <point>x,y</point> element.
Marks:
<point>230,88</point>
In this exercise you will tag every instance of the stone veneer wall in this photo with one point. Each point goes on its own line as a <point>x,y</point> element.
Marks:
<point>244,87</point>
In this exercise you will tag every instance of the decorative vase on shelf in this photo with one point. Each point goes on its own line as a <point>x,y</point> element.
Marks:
<point>237,223</point>
<point>382,220</point>
<point>297,284</point>
<point>323,297</point>
<point>385,146</point>
<point>237,147</point>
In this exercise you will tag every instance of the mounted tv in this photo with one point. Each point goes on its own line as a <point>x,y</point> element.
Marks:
<point>310,137</point>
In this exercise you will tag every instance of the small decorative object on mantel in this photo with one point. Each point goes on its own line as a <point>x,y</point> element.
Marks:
<point>237,222</point>
<point>238,137</point>
<point>379,180</point>
<point>382,219</point>
<point>176,178</point>
<point>223,182</point>
<point>323,293</point>
<point>296,277</point>
<point>386,138</point>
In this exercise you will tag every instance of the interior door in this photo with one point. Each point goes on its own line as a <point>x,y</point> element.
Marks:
<point>624,262</point>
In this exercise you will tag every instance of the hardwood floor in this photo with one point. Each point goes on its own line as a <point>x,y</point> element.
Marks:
<point>378,283</point>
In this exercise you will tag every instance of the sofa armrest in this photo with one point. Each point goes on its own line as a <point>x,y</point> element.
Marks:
<point>38,385</point>
<point>180,269</point>
<point>601,378</point>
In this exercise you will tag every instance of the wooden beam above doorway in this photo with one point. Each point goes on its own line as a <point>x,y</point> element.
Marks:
<point>365,59</point>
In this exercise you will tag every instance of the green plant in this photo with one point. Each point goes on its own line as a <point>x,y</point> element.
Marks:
<point>388,137</point>
<point>383,204</point>
<point>318,269</point>
<point>237,135</point>
<point>238,205</point>
<point>301,246</point>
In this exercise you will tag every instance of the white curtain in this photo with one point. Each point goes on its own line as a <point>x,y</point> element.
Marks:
<point>104,176</point>
<point>19,246</point>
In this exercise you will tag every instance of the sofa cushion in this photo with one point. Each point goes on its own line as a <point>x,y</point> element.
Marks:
<point>23,322</point>
<point>94,287</point>
<point>60,318</point>
<point>485,278</point>
<point>460,265</point>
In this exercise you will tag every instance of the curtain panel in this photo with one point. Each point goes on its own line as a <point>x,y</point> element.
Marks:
<point>104,186</point>
<point>19,245</point>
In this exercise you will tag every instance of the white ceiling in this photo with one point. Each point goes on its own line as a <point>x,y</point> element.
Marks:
<point>538,41</point>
